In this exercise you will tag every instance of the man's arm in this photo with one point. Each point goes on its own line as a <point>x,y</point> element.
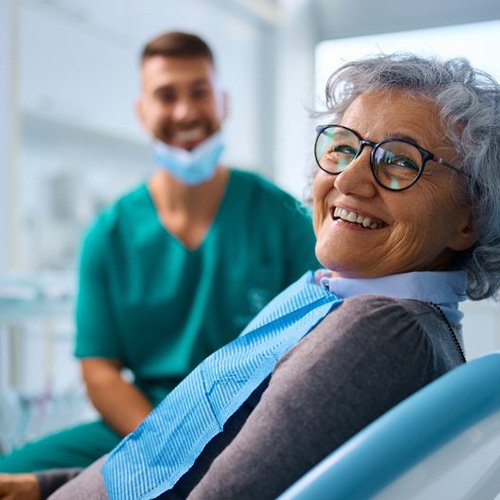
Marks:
<point>19,487</point>
<point>121,404</point>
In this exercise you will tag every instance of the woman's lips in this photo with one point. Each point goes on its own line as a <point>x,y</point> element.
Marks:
<point>355,218</point>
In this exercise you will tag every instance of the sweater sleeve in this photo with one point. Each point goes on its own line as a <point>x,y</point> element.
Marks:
<point>361,360</point>
<point>51,480</point>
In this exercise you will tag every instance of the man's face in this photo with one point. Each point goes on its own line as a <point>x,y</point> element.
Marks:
<point>181,104</point>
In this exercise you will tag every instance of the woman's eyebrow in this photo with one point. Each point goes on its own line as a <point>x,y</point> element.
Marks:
<point>402,137</point>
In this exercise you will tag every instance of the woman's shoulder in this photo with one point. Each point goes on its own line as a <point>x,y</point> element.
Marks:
<point>394,313</point>
<point>401,325</point>
<point>385,309</point>
<point>374,320</point>
<point>380,309</point>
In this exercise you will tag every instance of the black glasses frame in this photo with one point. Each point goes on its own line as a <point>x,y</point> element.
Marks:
<point>426,155</point>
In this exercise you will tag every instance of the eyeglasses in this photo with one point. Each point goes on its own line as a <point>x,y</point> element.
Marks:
<point>396,164</point>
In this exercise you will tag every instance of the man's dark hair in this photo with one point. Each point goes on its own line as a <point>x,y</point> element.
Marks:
<point>177,44</point>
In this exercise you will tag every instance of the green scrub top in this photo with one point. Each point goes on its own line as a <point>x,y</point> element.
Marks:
<point>161,308</point>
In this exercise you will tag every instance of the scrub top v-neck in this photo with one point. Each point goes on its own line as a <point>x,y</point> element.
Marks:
<point>160,307</point>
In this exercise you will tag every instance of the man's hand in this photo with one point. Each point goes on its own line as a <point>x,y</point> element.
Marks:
<point>19,487</point>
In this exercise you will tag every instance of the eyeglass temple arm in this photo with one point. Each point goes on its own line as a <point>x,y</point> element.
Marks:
<point>446,164</point>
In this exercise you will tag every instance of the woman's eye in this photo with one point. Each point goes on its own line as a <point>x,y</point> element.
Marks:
<point>344,149</point>
<point>401,161</point>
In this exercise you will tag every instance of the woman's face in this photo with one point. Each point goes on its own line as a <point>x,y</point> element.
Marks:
<point>413,230</point>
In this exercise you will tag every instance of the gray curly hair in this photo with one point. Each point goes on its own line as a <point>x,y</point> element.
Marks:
<point>468,101</point>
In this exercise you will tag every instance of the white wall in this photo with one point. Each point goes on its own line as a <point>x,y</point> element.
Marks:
<point>481,325</point>
<point>9,227</point>
<point>294,94</point>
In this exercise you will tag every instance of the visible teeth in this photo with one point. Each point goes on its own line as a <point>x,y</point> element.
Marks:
<point>190,135</point>
<point>355,218</point>
<point>352,217</point>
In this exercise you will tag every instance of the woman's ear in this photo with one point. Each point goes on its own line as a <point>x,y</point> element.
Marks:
<point>465,235</point>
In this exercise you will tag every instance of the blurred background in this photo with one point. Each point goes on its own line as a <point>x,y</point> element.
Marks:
<point>70,143</point>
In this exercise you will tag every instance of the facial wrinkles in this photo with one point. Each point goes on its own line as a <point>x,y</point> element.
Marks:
<point>419,125</point>
<point>404,243</point>
<point>420,221</point>
<point>411,237</point>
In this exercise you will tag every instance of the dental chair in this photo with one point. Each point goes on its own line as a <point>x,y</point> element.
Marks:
<point>443,442</point>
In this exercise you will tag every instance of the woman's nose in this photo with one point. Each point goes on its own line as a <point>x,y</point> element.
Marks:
<point>357,179</point>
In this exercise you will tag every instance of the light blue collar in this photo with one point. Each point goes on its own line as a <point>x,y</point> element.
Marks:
<point>445,288</point>
<point>441,287</point>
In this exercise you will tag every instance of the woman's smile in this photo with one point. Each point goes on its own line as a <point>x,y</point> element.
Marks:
<point>355,219</point>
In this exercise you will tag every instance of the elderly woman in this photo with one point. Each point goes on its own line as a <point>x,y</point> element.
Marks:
<point>406,212</point>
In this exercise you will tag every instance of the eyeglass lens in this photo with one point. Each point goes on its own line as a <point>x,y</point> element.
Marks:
<point>396,164</point>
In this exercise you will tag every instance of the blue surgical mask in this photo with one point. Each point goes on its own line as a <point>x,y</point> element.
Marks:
<point>190,167</point>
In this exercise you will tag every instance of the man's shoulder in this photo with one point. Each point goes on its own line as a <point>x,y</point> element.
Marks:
<point>246,179</point>
<point>136,195</point>
<point>124,207</point>
<point>263,189</point>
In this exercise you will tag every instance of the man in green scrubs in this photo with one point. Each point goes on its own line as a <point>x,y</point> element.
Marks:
<point>177,267</point>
